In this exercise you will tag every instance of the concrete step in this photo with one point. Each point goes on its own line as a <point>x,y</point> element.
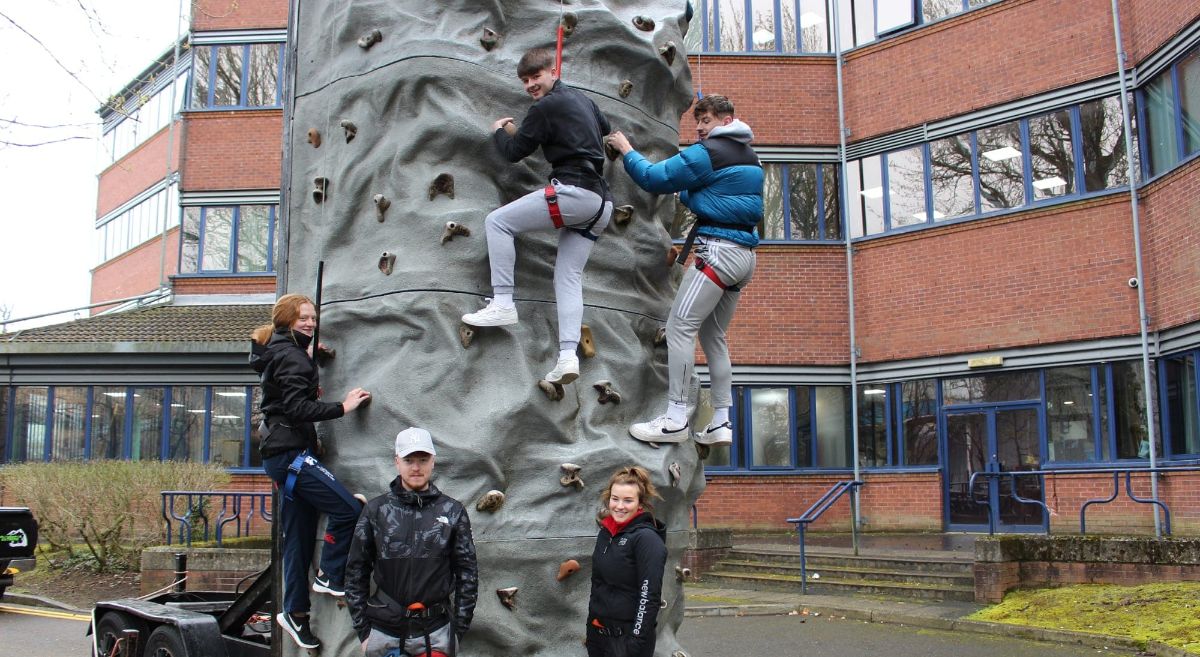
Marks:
<point>831,585</point>
<point>941,562</point>
<point>888,573</point>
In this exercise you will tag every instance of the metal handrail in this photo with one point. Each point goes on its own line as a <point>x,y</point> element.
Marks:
<point>233,503</point>
<point>1115,472</point>
<point>814,512</point>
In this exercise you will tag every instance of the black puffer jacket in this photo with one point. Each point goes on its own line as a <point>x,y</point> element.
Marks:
<point>418,547</point>
<point>290,385</point>
<point>627,572</point>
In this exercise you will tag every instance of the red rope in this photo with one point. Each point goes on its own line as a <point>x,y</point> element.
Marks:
<point>558,51</point>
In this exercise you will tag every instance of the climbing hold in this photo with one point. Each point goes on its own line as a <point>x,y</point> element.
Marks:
<point>622,214</point>
<point>508,596</point>
<point>571,475</point>
<point>672,255</point>
<point>643,23</point>
<point>350,129</point>
<point>453,229</point>
<point>660,336</point>
<point>387,262</point>
<point>314,137</point>
<point>702,451</point>
<point>610,150</point>
<point>466,333</point>
<point>668,52</point>
<point>491,501</point>
<point>587,346</point>
<point>489,39</point>
<point>369,39</point>
<point>568,568</point>
<point>682,574</point>
<point>607,393</point>
<point>675,473</point>
<point>381,206</point>
<point>625,88</point>
<point>569,21</point>
<point>443,184</point>
<point>679,653</point>
<point>554,391</point>
<point>320,189</point>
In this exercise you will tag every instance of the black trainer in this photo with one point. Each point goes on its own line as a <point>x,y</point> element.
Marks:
<point>297,628</point>
<point>322,584</point>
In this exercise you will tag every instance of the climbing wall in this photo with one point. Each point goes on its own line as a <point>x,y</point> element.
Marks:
<point>389,142</point>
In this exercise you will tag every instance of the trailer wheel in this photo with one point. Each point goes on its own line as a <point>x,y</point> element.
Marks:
<point>165,642</point>
<point>109,629</point>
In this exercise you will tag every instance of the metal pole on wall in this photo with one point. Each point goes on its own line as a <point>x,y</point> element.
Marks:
<point>1143,317</point>
<point>837,50</point>
<point>163,282</point>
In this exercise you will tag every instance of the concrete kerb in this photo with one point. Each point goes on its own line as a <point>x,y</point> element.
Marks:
<point>28,600</point>
<point>926,616</point>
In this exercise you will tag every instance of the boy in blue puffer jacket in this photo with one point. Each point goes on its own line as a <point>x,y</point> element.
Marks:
<point>720,180</point>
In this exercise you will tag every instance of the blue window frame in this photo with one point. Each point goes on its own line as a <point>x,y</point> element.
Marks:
<point>1168,109</point>
<point>1029,162</point>
<point>52,423</point>
<point>1179,408</point>
<point>237,76</point>
<point>227,239</point>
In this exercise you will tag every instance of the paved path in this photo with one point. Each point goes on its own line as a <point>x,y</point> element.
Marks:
<point>33,632</point>
<point>798,636</point>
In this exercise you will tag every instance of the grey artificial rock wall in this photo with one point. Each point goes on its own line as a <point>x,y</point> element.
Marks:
<point>422,99</point>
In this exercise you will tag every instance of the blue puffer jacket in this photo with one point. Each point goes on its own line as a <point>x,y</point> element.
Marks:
<point>720,179</point>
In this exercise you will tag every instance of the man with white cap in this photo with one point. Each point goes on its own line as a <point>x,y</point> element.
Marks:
<point>415,542</point>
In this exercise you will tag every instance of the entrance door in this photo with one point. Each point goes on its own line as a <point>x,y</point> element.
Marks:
<point>993,439</point>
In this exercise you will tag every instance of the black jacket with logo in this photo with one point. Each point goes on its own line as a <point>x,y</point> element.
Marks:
<point>627,572</point>
<point>417,547</point>
<point>290,385</point>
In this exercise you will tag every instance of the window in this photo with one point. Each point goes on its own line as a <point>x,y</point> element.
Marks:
<point>1162,146</point>
<point>1181,412</point>
<point>1129,411</point>
<point>236,76</point>
<point>770,427</point>
<point>786,26</point>
<point>1102,133</point>
<point>125,229</point>
<point>892,16</point>
<point>1001,168</point>
<point>832,421</point>
<point>54,423</point>
<point>906,187</point>
<point>990,388</point>
<point>1052,155</point>
<point>872,426</point>
<point>800,202</point>
<point>918,417</point>
<point>865,214</point>
<point>150,113</point>
<point>234,239</point>
<point>1070,415</point>
<point>952,177</point>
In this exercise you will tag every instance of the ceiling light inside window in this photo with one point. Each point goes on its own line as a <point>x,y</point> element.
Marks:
<point>872,192</point>
<point>811,19</point>
<point>874,391</point>
<point>196,410</point>
<point>231,394</point>
<point>1001,154</point>
<point>114,394</point>
<point>227,417</point>
<point>1068,403</point>
<point>1049,183</point>
<point>763,37</point>
<point>921,216</point>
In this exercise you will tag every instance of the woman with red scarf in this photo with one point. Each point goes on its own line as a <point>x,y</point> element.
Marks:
<point>627,569</point>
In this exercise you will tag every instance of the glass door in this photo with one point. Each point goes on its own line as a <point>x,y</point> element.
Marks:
<point>993,439</point>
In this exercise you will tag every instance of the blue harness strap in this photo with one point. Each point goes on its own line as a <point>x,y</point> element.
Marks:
<point>293,471</point>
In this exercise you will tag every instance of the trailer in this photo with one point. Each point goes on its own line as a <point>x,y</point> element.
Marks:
<point>182,623</point>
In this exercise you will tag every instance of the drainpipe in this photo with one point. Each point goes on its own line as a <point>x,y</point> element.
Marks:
<point>1143,317</point>
<point>162,250</point>
<point>837,50</point>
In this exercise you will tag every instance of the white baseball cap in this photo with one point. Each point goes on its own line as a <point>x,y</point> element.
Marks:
<point>414,440</point>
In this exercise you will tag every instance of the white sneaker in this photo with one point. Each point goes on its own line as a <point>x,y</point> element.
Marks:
<point>721,434</point>
<point>566,371</point>
<point>658,430</point>
<point>492,315</point>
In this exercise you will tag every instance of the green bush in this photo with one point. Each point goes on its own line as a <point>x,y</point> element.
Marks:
<point>103,513</point>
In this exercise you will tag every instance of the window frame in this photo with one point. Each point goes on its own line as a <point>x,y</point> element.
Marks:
<point>234,232</point>
<point>1164,408</point>
<point>243,83</point>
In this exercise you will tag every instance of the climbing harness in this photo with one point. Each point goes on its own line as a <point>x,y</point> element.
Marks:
<point>711,273</point>
<point>306,460</point>
<point>556,213</point>
<point>294,469</point>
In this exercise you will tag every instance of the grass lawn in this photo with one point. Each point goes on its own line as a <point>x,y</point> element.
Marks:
<point>1167,613</point>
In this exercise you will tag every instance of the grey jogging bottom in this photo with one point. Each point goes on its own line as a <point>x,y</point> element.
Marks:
<point>529,213</point>
<point>379,643</point>
<point>701,306</point>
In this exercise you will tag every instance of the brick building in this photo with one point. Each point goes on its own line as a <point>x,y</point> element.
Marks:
<point>949,273</point>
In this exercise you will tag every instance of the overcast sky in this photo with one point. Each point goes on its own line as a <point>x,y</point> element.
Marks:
<point>48,206</point>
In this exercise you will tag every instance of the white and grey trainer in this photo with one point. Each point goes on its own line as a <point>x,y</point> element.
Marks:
<point>565,371</point>
<point>716,434</point>
<point>659,430</point>
<point>492,315</point>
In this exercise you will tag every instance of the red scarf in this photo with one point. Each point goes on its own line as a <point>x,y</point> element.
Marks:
<point>615,527</point>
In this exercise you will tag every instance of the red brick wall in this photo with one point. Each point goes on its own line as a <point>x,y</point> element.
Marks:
<point>235,15</point>
<point>134,272</point>
<point>1147,24</point>
<point>223,285</point>
<point>233,150</point>
<point>889,501</point>
<point>1030,278</point>
<point>1065,494</point>
<point>981,58</point>
<point>793,310</point>
<point>784,100</point>
<point>1171,248</point>
<point>138,170</point>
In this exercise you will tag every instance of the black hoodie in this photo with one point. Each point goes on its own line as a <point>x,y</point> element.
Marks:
<point>627,572</point>
<point>417,547</point>
<point>290,385</point>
